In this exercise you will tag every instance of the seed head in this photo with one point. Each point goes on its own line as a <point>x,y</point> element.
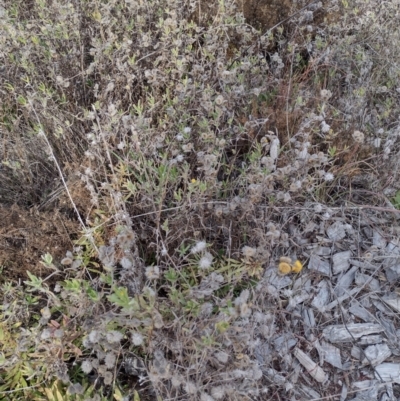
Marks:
<point>206,261</point>
<point>358,136</point>
<point>199,247</point>
<point>86,367</point>
<point>284,268</point>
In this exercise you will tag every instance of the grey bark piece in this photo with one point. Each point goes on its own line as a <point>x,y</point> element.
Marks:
<point>368,282</point>
<point>341,261</point>
<point>361,313</point>
<point>263,354</point>
<point>284,343</point>
<point>339,300</point>
<point>380,306</point>
<point>388,372</point>
<point>392,273</point>
<point>322,297</point>
<point>276,280</point>
<point>302,283</point>
<point>341,333</point>
<point>390,329</point>
<point>394,303</point>
<point>372,339</point>
<point>393,247</point>
<point>309,393</point>
<point>274,376</point>
<point>308,321</point>
<point>298,299</point>
<point>364,264</point>
<point>356,352</point>
<point>376,354</point>
<point>389,394</point>
<point>336,231</point>
<point>317,264</point>
<point>331,354</point>
<point>314,370</point>
<point>322,251</point>
<point>392,263</point>
<point>345,281</point>
<point>378,240</point>
<point>343,394</point>
<point>365,384</point>
<point>368,390</point>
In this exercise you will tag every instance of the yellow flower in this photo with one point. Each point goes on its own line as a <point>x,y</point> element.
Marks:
<point>193,180</point>
<point>286,265</point>
<point>284,268</point>
<point>297,267</point>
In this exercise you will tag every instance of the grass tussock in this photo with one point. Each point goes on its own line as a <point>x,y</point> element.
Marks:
<point>204,147</point>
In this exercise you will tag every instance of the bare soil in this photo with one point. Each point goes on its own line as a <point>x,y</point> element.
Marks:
<point>27,234</point>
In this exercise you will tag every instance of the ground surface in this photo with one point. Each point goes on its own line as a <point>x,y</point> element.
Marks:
<point>194,171</point>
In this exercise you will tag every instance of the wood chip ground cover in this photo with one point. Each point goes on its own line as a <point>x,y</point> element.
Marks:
<point>340,316</point>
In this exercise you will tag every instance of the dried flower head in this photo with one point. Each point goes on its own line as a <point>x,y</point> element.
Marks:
<point>297,267</point>
<point>218,392</point>
<point>137,338</point>
<point>114,336</point>
<point>110,360</point>
<point>152,272</point>
<point>126,262</point>
<point>248,252</point>
<point>176,380</point>
<point>325,94</point>
<point>86,367</point>
<point>284,268</point>
<point>325,127</point>
<point>358,136</point>
<point>199,247</point>
<point>206,261</point>
<point>318,208</point>
<point>190,387</point>
<point>94,336</point>
<point>46,313</point>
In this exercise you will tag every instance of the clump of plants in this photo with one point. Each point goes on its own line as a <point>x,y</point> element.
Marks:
<point>195,312</point>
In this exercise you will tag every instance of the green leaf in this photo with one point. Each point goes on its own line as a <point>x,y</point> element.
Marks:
<point>121,298</point>
<point>93,294</point>
<point>171,275</point>
<point>35,282</point>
